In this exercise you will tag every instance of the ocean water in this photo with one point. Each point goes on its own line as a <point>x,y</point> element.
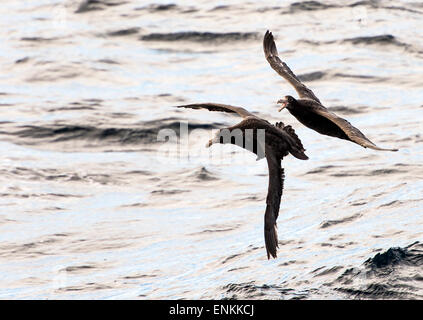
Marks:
<point>108,192</point>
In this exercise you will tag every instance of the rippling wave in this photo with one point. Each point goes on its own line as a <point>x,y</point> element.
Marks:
<point>200,36</point>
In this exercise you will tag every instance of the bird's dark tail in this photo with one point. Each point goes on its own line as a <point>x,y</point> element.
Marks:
<point>297,148</point>
<point>271,238</point>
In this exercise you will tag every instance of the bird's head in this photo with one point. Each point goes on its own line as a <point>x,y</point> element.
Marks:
<point>287,102</point>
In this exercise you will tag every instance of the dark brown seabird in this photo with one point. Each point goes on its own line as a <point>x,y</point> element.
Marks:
<point>278,142</point>
<point>308,109</point>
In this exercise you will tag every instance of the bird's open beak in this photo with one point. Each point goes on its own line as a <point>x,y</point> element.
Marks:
<point>284,104</point>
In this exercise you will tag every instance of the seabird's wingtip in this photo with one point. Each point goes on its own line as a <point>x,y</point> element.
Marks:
<point>374,147</point>
<point>269,45</point>
<point>268,36</point>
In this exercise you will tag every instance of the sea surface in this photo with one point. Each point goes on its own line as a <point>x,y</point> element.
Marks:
<point>108,192</point>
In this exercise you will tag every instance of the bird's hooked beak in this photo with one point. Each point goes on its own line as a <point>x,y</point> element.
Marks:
<point>284,102</point>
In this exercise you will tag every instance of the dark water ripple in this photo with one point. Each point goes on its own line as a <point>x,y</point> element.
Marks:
<point>387,261</point>
<point>381,40</point>
<point>196,36</point>
<point>160,7</point>
<point>39,39</point>
<point>308,6</point>
<point>374,4</point>
<point>203,174</point>
<point>330,223</point>
<point>312,76</point>
<point>124,32</point>
<point>325,75</point>
<point>348,110</point>
<point>145,133</point>
<point>293,8</point>
<point>95,5</point>
<point>250,290</point>
<point>388,275</point>
<point>393,274</point>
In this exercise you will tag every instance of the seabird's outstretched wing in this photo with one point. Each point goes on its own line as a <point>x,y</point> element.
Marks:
<point>282,134</point>
<point>271,54</point>
<point>273,201</point>
<point>352,132</point>
<point>219,107</point>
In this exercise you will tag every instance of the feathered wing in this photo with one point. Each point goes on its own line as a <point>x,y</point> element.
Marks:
<point>219,107</point>
<point>271,54</point>
<point>352,132</point>
<point>239,135</point>
<point>286,133</point>
<point>273,201</point>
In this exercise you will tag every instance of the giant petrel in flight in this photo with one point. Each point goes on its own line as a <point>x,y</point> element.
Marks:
<point>279,140</point>
<point>308,109</point>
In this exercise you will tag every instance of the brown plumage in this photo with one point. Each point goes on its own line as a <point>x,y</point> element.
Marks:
<point>278,141</point>
<point>308,109</point>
